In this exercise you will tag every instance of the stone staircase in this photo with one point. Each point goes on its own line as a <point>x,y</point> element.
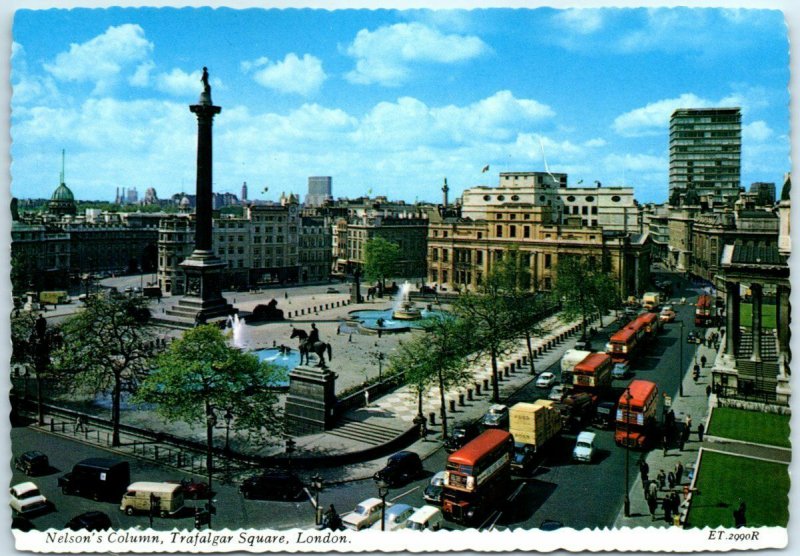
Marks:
<point>366,431</point>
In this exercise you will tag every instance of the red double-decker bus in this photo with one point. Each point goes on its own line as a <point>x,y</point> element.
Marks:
<point>477,476</point>
<point>593,374</point>
<point>625,344</point>
<point>636,414</point>
<point>704,311</point>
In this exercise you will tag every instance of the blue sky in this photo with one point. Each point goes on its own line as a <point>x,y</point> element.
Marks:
<point>386,102</point>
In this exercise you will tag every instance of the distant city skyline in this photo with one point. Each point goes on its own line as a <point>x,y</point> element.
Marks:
<point>385,102</point>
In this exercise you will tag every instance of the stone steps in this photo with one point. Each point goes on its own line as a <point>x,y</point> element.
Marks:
<point>364,431</point>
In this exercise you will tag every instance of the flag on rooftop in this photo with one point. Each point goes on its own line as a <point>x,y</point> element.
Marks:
<point>485,169</point>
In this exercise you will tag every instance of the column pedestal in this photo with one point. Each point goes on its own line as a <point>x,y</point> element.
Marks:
<point>311,400</point>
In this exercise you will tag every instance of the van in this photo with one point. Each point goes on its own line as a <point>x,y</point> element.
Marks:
<point>97,478</point>
<point>427,518</point>
<point>584,447</point>
<point>142,496</point>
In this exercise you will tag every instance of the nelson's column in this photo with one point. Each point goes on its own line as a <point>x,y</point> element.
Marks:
<point>203,301</point>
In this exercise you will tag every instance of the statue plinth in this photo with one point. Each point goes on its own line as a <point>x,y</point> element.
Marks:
<point>311,400</point>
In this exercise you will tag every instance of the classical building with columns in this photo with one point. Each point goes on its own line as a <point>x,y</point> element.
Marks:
<point>753,363</point>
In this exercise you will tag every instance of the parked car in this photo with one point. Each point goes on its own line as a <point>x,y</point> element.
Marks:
<point>332,290</point>
<point>556,393</point>
<point>91,521</point>
<point>365,514</point>
<point>395,517</point>
<point>97,478</point>
<point>427,518</point>
<point>631,311</point>
<point>461,434</point>
<point>545,380</point>
<point>666,316</point>
<point>523,458</point>
<point>620,370</point>
<point>583,344</point>
<point>400,468</point>
<point>33,462</point>
<point>550,525</point>
<point>693,338</point>
<point>433,492</point>
<point>584,447</point>
<point>274,484</point>
<point>496,417</point>
<point>22,524</point>
<point>26,499</point>
<point>193,490</point>
<point>165,499</point>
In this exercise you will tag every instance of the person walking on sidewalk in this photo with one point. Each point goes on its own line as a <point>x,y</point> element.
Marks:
<point>678,473</point>
<point>662,478</point>
<point>703,361</point>
<point>652,505</point>
<point>80,424</point>
<point>666,505</point>
<point>701,429</point>
<point>671,480</point>
<point>644,469</point>
<point>652,490</point>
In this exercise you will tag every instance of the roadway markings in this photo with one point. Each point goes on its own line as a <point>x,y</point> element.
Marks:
<point>495,516</point>
<point>406,493</point>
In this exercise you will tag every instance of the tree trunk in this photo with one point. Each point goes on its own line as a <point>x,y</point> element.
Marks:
<point>39,401</point>
<point>116,397</point>
<point>442,401</point>
<point>530,350</point>
<point>495,383</point>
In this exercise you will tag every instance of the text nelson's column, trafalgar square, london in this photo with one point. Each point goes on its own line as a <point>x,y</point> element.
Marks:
<point>203,301</point>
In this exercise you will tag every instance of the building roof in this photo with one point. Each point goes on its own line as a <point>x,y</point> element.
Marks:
<point>757,214</point>
<point>62,193</point>
<point>787,187</point>
<point>756,254</point>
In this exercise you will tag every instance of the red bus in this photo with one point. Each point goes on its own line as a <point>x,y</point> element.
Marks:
<point>651,324</point>
<point>593,374</point>
<point>704,311</point>
<point>624,345</point>
<point>477,476</point>
<point>636,414</point>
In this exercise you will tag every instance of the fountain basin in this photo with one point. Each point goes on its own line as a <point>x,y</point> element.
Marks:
<point>391,323</point>
<point>285,361</point>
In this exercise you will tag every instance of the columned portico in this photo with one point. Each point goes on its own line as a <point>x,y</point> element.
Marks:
<point>757,294</point>
<point>732,316</point>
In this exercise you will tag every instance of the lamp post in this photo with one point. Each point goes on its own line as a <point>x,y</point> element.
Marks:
<point>290,447</point>
<point>211,422</point>
<point>627,417</point>
<point>316,484</point>
<point>379,357</point>
<point>680,364</point>
<point>383,490</point>
<point>228,418</point>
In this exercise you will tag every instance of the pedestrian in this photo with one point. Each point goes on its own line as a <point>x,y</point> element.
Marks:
<point>652,490</point>
<point>652,504</point>
<point>666,505</point>
<point>350,337</point>
<point>662,477</point>
<point>682,445</point>
<point>286,295</point>
<point>739,517</point>
<point>644,469</point>
<point>80,424</point>
<point>665,444</point>
<point>701,429</point>
<point>703,360</point>
<point>678,473</point>
<point>671,480</point>
<point>688,421</point>
<point>676,502</point>
<point>708,391</point>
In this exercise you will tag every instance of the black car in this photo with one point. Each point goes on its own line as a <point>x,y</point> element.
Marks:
<point>461,434</point>
<point>91,521</point>
<point>605,415</point>
<point>21,523</point>
<point>400,468</point>
<point>273,485</point>
<point>32,463</point>
<point>433,492</point>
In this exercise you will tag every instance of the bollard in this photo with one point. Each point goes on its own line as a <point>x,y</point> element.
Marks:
<point>485,383</point>
<point>513,367</point>
<point>469,394</point>
<point>432,418</point>
<point>461,400</point>
<point>477,389</point>
<point>452,404</point>
<point>506,371</point>
<point>524,359</point>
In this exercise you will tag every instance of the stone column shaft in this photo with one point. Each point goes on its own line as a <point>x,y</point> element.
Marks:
<point>732,317</point>
<point>205,117</point>
<point>783,312</point>
<point>757,293</point>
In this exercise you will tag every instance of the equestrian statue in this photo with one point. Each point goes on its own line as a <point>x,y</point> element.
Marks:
<point>310,343</point>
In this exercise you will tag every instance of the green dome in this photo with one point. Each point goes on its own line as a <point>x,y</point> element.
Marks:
<point>62,193</point>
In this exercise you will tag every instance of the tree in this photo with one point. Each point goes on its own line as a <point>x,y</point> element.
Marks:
<point>201,374</point>
<point>380,260</point>
<point>32,343</point>
<point>107,347</point>
<point>438,356</point>
<point>583,288</point>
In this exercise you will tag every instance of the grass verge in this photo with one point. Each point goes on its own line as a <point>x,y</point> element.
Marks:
<point>751,426</point>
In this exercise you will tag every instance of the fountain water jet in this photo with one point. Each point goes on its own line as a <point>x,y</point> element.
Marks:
<point>237,326</point>
<point>404,308</point>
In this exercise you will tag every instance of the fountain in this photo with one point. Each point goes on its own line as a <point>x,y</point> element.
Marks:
<point>404,308</point>
<point>237,326</point>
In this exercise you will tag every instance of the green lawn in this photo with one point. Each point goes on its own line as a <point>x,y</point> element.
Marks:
<point>751,426</point>
<point>767,315</point>
<point>724,479</point>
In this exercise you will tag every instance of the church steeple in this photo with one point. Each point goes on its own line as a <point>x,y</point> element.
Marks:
<point>445,189</point>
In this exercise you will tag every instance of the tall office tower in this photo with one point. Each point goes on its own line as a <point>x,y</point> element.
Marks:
<point>319,190</point>
<point>244,191</point>
<point>705,152</point>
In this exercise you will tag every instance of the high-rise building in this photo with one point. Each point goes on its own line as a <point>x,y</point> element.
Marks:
<point>319,190</point>
<point>244,191</point>
<point>705,152</point>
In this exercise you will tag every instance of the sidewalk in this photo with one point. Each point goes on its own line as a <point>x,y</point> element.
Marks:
<point>694,403</point>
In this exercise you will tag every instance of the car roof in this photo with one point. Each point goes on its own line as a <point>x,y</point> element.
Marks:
<point>439,474</point>
<point>25,487</point>
<point>369,502</point>
<point>32,454</point>
<point>398,509</point>
<point>153,486</point>
<point>424,513</point>
<point>498,407</point>
<point>586,435</point>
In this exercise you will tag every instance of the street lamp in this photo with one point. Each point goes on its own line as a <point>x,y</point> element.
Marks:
<point>680,363</point>
<point>379,357</point>
<point>228,418</point>
<point>290,447</point>
<point>211,422</point>
<point>316,484</point>
<point>383,490</point>
<point>627,417</point>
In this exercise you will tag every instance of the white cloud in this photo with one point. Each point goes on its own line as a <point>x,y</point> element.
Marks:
<point>640,163</point>
<point>653,119</point>
<point>594,143</point>
<point>384,56</point>
<point>756,132</point>
<point>179,83</point>
<point>141,77</point>
<point>16,49</point>
<point>102,59</point>
<point>248,65</point>
<point>303,76</point>
<point>581,21</point>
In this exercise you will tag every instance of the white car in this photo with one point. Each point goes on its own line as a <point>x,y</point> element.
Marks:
<point>365,514</point>
<point>545,380</point>
<point>556,393</point>
<point>584,447</point>
<point>26,499</point>
<point>395,517</point>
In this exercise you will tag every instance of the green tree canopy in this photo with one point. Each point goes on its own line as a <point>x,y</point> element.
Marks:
<point>380,259</point>
<point>584,289</point>
<point>107,347</point>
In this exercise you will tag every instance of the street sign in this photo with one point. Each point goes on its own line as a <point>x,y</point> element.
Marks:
<point>667,401</point>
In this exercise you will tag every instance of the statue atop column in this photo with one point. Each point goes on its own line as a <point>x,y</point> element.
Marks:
<point>204,79</point>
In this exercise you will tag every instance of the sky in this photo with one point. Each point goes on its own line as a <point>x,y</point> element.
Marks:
<point>387,102</point>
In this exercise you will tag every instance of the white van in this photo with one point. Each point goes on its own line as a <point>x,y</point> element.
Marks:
<point>584,447</point>
<point>140,495</point>
<point>427,518</point>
